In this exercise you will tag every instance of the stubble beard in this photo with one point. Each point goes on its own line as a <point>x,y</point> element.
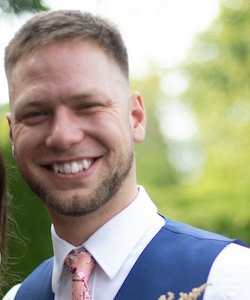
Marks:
<point>75,206</point>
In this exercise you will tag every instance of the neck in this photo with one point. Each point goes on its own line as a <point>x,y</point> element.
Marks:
<point>76,230</point>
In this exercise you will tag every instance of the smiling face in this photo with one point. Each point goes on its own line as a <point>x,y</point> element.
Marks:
<point>73,125</point>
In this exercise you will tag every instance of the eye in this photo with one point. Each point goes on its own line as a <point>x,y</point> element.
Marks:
<point>33,117</point>
<point>88,107</point>
<point>33,114</point>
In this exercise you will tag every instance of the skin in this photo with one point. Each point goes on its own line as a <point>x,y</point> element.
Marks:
<point>71,104</point>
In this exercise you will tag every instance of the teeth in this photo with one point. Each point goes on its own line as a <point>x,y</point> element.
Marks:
<point>67,168</point>
<point>56,168</point>
<point>86,163</point>
<point>72,168</point>
<point>80,167</point>
<point>61,169</point>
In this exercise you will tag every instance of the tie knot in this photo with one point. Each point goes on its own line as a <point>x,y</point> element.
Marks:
<point>81,264</point>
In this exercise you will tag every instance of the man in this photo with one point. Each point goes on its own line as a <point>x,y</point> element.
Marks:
<point>73,124</point>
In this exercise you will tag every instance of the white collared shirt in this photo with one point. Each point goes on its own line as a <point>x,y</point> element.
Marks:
<point>138,223</point>
<point>114,255</point>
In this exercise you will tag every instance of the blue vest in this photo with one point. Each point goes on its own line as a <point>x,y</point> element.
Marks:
<point>177,259</point>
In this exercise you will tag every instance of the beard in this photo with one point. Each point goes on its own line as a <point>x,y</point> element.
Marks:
<point>76,205</point>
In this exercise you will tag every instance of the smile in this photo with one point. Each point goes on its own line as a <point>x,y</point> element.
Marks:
<point>72,167</point>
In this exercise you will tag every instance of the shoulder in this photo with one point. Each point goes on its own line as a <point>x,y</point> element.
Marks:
<point>192,244</point>
<point>42,273</point>
<point>190,232</point>
<point>12,292</point>
<point>37,284</point>
<point>230,273</point>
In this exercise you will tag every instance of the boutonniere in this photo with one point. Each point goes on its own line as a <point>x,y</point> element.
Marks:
<point>193,295</point>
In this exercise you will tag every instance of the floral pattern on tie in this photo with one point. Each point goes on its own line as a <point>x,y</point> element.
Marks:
<point>81,265</point>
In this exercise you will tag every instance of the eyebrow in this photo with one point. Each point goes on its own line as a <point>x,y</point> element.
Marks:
<point>29,103</point>
<point>23,103</point>
<point>89,95</point>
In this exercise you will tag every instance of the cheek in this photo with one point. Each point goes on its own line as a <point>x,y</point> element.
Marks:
<point>23,149</point>
<point>25,142</point>
<point>115,133</point>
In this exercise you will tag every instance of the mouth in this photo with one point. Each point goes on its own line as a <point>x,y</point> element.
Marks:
<point>72,167</point>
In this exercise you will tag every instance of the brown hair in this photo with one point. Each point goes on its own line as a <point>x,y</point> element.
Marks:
<point>66,25</point>
<point>3,215</point>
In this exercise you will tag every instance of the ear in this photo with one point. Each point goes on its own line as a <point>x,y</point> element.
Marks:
<point>138,117</point>
<point>8,117</point>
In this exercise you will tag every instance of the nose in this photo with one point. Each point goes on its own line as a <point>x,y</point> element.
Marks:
<point>65,131</point>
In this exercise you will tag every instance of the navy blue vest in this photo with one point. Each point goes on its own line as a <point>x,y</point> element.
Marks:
<point>177,259</point>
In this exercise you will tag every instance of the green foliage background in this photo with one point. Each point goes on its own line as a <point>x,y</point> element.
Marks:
<point>218,93</point>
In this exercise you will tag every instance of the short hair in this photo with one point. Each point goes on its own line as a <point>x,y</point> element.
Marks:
<point>66,25</point>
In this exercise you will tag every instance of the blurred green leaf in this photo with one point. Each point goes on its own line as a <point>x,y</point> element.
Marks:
<point>19,6</point>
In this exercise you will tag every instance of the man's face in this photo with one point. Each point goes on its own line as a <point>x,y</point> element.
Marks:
<point>73,125</point>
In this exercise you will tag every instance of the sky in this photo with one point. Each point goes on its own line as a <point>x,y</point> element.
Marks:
<point>159,31</point>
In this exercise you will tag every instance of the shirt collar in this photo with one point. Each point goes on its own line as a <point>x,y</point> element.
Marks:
<point>106,245</point>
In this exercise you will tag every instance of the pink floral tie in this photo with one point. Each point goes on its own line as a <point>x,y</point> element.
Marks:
<point>81,265</point>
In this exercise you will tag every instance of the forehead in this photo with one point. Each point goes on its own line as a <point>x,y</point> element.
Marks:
<point>58,54</point>
<point>68,66</point>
